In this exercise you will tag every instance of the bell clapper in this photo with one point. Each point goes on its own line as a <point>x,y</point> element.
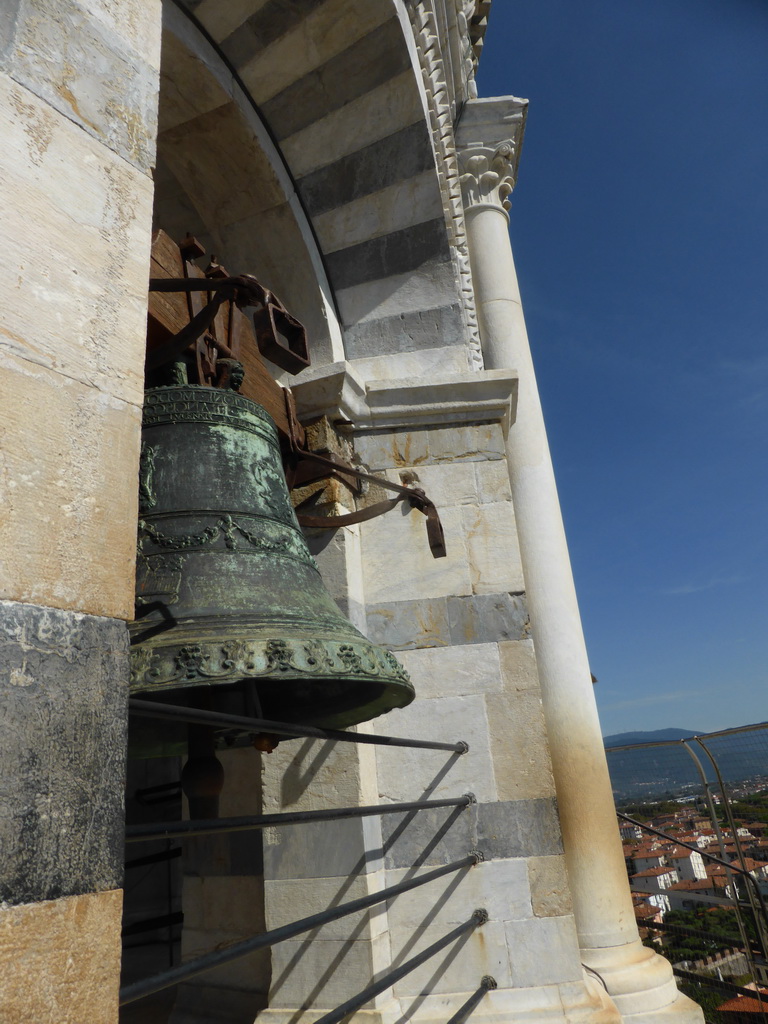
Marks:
<point>202,778</point>
<point>266,742</point>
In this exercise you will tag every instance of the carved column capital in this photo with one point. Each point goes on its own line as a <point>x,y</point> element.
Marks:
<point>487,174</point>
<point>488,140</point>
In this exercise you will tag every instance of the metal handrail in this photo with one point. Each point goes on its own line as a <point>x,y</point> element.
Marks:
<point>210,826</point>
<point>709,981</point>
<point>183,972</point>
<point>754,894</point>
<point>173,712</point>
<point>688,739</point>
<point>350,1005</point>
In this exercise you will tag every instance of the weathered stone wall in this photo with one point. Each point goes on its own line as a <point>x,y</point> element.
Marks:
<point>460,626</point>
<point>78,87</point>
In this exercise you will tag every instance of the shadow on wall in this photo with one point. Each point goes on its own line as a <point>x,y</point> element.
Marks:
<point>422,844</point>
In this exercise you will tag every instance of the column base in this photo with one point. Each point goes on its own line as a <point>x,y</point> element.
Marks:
<point>641,984</point>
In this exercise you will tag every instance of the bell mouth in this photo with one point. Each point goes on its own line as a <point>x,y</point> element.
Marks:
<point>327,703</point>
<point>321,682</point>
<point>332,704</point>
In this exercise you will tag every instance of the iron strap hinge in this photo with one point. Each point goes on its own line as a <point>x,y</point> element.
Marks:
<point>337,467</point>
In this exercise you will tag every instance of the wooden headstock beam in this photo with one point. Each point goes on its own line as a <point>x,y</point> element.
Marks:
<point>169,312</point>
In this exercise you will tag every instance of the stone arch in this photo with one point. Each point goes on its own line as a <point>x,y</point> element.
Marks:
<point>220,176</point>
<point>347,181</point>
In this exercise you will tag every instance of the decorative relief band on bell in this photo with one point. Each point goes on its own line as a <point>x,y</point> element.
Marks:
<point>159,578</point>
<point>254,659</point>
<point>228,531</point>
<point>190,404</point>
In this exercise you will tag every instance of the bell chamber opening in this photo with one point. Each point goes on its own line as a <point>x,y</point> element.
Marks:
<point>232,614</point>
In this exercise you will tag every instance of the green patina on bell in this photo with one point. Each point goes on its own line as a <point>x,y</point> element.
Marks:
<point>232,613</point>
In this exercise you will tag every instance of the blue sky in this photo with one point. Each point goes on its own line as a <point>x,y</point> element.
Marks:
<point>640,229</point>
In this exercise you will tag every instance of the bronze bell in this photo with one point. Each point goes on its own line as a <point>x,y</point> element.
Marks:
<point>232,613</point>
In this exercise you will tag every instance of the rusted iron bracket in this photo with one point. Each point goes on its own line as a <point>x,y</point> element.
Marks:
<point>279,335</point>
<point>303,466</point>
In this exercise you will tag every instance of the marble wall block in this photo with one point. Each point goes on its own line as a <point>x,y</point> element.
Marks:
<point>60,960</point>
<point>544,951</point>
<point>454,671</point>
<point>458,968</point>
<point>325,972</point>
<point>313,895</point>
<point>68,472</point>
<point>492,548</point>
<point>550,895</point>
<point>397,560</point>
<point>415,774</point>
<point>77,244</point>
<point>63,686</point>
<point>501,887</point>
<point>411,449</point>
<point>97,65</point>
<point>518,665</point>
<point>518,736</point>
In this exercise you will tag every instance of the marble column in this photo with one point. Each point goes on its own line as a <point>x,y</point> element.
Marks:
<point>639,980</point>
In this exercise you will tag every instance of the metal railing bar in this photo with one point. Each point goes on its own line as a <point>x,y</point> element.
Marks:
<point>474,1001</point>
<point>646,746</point>
<point>720,840</point>
<point>166,712</point>
<point>712,981</point>
<point>730,732</point>
<point>335,1016</point>
<point>702,736</point>
<point>754,893</point>
<point>209,826</point>
<point>175,975</point>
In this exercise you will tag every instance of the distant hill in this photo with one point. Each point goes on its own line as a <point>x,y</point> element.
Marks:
<point>621,738</point>
<point>654,772</point>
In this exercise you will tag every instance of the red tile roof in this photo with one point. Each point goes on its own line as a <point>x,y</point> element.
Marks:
<point>744,1004</point>
<point>695,885</point>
